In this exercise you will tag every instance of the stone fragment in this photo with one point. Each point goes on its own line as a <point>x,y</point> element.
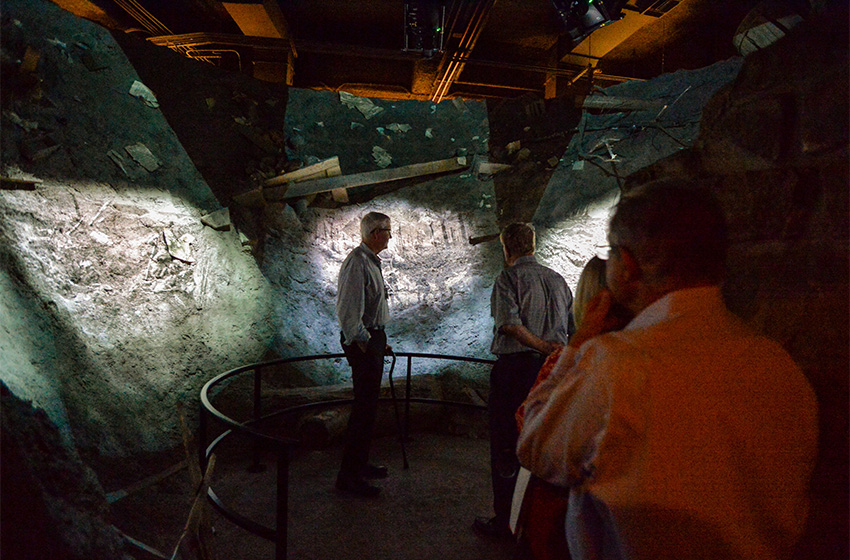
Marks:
<point>382,157</point>
<point>362,104</point>
<point>396,127</point>
<point>218,220</point>
<point>179,248</point>
<point>140,90</point>
<point>143,156</point>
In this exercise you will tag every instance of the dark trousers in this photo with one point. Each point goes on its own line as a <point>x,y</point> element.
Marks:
<point>367,369</point>
<point>511,379</point>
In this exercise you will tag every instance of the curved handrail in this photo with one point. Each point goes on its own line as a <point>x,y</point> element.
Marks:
<point>245,426</point>
<point>284,444</point>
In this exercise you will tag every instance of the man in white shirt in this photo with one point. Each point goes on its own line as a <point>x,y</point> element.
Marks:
<point>685,434</point>
<point>363,313</point>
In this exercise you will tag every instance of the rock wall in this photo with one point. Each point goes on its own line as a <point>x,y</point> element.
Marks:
<point>104,328</point>
<point>610,145</point>
<point>439,283</point>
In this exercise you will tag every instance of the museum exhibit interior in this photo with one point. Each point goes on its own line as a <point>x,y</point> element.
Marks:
<point>182,180</point>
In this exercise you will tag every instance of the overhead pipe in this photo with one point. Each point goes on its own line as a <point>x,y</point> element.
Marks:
<point>457,58</point>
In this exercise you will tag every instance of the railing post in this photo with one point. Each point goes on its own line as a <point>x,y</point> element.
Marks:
<point>256,465</point>
<point>282,502</point>
<point>407,399</point>
<point>202,437</point>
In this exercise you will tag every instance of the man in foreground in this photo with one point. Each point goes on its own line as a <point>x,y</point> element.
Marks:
<point>685,434</point>
<point>363,313</point>
<point>530,305</point>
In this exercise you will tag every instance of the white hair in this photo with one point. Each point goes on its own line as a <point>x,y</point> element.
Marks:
<point>371,221</point>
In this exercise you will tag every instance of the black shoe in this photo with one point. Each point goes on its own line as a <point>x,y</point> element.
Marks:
<point>492,528</point>
<point>357,486</point>
<point>375,471</point>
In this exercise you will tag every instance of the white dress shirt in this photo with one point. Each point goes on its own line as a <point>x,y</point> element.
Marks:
<point>685,435</point>
<point>362,295</point>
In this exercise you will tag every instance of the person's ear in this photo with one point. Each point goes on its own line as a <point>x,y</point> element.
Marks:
<point>631,266</point>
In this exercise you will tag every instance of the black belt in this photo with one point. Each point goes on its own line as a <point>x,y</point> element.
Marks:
<point>528,353</point>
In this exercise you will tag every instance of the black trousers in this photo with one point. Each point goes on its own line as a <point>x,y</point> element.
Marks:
<point>367,369</point>
<point>511,379</point>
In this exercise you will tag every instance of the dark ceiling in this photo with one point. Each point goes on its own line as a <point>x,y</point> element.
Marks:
<point>492,48</point>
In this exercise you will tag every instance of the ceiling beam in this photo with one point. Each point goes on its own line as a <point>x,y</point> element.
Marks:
<point>261,19</point>
<point>265,19</point>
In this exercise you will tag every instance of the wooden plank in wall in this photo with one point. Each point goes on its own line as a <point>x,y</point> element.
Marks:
<point>327,168</point>
<point>620,103</point>
<point>306,188</point>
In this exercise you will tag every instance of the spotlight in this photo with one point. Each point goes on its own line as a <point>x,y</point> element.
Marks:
<point>580,18</point>
<point>424,22</point>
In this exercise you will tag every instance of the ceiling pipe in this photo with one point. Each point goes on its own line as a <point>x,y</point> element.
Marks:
<point>454,61</point>
<point>144,17</point>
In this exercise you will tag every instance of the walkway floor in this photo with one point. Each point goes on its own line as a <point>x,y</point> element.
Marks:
<point>424,512</point>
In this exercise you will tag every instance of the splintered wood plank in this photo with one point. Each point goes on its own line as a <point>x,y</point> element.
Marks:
<point>620,103</point>
<point>327,168</point>
<point>368,178</point>
<point>8,183</point>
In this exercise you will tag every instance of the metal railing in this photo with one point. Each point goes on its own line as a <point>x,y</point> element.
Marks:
<point>282,446</point>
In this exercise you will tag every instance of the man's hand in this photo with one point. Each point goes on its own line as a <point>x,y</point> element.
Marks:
<point>388,350</point>
<point>550,347</point>
<point>603,315</point>
<point>525,337</point>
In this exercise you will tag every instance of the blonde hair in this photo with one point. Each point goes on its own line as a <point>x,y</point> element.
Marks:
<point>591,281</point>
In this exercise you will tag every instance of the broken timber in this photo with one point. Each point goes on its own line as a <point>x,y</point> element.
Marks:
<point>326,168</point>
<point>10,183</point>
<point>619,103</point>
<point>305,188</point>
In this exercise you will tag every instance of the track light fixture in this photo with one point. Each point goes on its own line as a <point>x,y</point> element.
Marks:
<point>580,18</point>
<point>424,22</point>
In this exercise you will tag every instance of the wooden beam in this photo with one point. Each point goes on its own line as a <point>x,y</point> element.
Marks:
<point>619,103</point>
<point>368,178</point>
<point>327,168</point>
<point>113,497</point>
<point>263,19</point>
<point>10,183</point>
<point>483,238</point>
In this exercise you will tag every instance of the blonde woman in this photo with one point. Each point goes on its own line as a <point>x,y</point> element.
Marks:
<point>539,507</point>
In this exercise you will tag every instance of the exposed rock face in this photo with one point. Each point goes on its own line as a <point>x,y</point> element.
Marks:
<point>53,505</point>
<point>137,324</point>
<point>609,146</point>
<point>105,328</point>
<point>440,283</point>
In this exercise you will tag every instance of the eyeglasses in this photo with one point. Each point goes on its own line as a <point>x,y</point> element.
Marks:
<point>386,229</point>
<point>605,251</point>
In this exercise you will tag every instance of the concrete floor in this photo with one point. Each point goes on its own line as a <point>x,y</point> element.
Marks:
<point>424,512</point>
